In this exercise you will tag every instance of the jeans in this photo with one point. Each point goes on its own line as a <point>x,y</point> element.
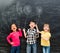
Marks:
<point>31,47</point>
<point>15,49</point>
<point>46,49</point>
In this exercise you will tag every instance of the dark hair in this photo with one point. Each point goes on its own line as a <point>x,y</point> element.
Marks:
<point>32,21</point>
<point>15,25</point>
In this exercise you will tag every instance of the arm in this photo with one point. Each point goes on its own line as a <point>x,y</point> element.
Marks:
<point>37,29</point>
<point>20,32</point>
<point>48,38</point>
<point>45,38</point>
<point>24,33</point>
<point>8,39</point>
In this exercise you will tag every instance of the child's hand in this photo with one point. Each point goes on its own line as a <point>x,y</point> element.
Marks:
<point>42,36</point>
<point>12,43</point>
<point>46,39</point>
<point>36,26</point>
<point>19,29</point>
<point>25,36</point>
<point>24,29</point>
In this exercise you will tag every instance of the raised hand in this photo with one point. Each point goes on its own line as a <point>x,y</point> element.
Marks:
<point>24,30</point>
<point>19,28</point>
<point>36,26</point>
<point>12,43</point>
<point>24,33</point>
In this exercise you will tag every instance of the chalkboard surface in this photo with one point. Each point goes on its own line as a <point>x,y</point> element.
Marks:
<point>21,12</point>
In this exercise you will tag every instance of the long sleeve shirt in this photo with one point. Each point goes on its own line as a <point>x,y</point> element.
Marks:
<point>14,37</point>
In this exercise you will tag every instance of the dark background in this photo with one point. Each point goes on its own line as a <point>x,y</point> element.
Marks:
<point>21,12</point>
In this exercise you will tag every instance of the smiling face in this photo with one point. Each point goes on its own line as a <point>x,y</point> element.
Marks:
<point>46,27</point>
<point>32,24</point>
<point>13,27</point>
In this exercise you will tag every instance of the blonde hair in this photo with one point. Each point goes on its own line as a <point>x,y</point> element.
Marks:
<point>48,26</point>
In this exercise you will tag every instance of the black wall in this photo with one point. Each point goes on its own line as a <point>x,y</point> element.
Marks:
<point>21,12</point>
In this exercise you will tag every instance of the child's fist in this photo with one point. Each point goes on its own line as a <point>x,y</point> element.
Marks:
<point>36,25</point>
<point>19,28</point>
<point>24,29</point>
<point>12,43</point>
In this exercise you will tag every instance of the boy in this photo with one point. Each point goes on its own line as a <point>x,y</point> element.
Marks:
<point>31,36</point>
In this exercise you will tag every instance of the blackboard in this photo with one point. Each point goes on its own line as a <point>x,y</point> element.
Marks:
<point>21,12</point>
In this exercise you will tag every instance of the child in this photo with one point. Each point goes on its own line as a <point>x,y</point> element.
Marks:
<point>13,39</point>
<point>31,36</point>
<point>45,38</point>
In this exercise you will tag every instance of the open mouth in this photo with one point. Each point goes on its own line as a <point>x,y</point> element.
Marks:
<point>14,28</point>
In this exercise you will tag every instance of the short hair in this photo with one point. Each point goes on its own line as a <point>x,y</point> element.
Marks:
<point>33,22</point>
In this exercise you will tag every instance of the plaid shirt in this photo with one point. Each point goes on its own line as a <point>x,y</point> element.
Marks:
<point>31,36</point>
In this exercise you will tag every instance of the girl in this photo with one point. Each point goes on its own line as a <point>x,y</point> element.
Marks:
<point>13,39</point>
<point>45,38</point>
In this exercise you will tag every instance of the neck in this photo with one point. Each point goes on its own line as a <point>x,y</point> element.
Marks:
<point>14,31</point>
<point>31,28</point>
<point>45,31</point>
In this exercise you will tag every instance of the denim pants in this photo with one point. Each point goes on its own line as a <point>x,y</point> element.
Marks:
<point>15,49</point>
<point>46,49</point>
<point>31,48</point>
